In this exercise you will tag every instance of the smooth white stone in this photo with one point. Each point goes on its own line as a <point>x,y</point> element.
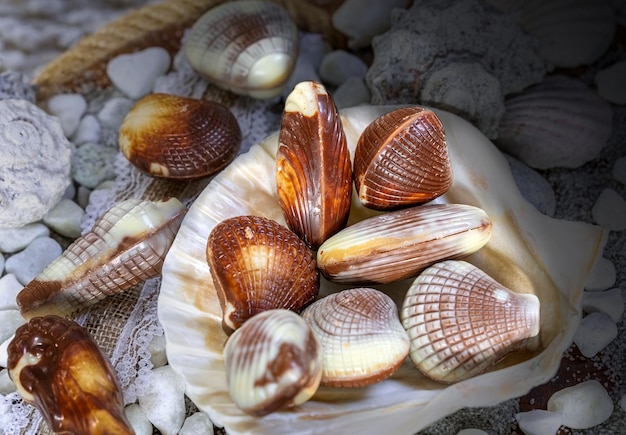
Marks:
<point>69,108</point>
<point>164,400</point>
<point>198,423</point>
<point>10,320</point>
<point>610,302</point>
<point>113,112</point>
<point>4,354</point>
<point>16,239</point>
<point>158,356</point>
<point>602,275</point>
<point>582,406</point>
<point>9,288</point>
<point>610,210</point>
<point>65,218</point>
<point>610,82</point>
<point>138,420</point>
<point>352,92</point>
<point>619,170</point>
<point>339,65</point>
<point>27,264</point>
<point>6,384</point>
<point>539,422</point>
<point>594,333</point>
<point>88,130</point>
<point>135,73</point>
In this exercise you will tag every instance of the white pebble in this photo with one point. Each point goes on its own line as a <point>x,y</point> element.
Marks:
<point>198,423</point>
<point>619,170</point>
<point>352,92</point>
<point>339,65</point>
<point>610,83</point>
<point>164,400</point>
<point>88,130</point>
<point>610,210</point>
<point>4,354</point>
<point>114,111</point>
<point>69,108</point>
<point>582,406</point>
<point>16,239</point>
<point>135,73</point>
<point>65,218</point>
<point>539,422</point>
<point>10,320</point>
<point>609,301</point>
<point>138,420</point>
<point>9,288</point>
<point>602,275</point>
<point>594,333</point>
<point>6,384</point>
<point>27,264</point>
<point>158,356</point>
<point>1,264</point>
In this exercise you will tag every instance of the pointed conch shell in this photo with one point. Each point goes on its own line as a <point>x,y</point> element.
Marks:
<point>57,367</point>
<point>126,246</point>
<point>461,321</point>
<point>248,47</point>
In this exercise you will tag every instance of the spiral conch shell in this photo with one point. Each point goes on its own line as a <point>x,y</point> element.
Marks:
<point>248,47</point>
<point>126,246</point>
<point>57,367</point>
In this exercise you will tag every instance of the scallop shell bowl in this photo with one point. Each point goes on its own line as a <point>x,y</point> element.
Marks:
<point>528,253</point>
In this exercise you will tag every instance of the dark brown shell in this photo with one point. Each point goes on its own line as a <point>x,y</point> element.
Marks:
<point>178,137</point>
<point>401,159</point>
<point>313,168</point>
<point>258,264</point>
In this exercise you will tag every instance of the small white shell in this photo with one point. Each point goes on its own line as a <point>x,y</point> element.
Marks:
<point>248,47</point>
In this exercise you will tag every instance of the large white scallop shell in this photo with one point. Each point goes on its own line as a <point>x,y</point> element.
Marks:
<point>527,251</point>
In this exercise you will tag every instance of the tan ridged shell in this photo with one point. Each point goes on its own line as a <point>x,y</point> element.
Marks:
<point>274,361</point>
<point>257,265</point>
<point>126,246</point>
<point>248,47</point>
<point>461,321</point>
<point>401,159</point>
<point>58,367</point>
<point>313,168</point>
<point>399,244</point>
<point>361,335</point>
<point>178,137</point>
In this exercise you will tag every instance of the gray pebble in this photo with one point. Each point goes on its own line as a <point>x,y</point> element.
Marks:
<point>16,239</point>
<point>350,93</point>
<point>339,65</point>
<point>10,320</point>
<point>27,264</point>
<point>65,218</point>
<point>533,186</point>
<point>92,164</point>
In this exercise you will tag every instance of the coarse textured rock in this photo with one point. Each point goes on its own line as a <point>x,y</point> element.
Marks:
<point>138,420</point>
<point>35,164</point>
<point>602,275</point>
<point>610,82</point>
<point>610,210</point>
<point>14,85</point>
<point>9,288</point>
<point>610,302</point>
<point>10,320</point>
<point>135,73</point>
<point>352,92</point>
<point>88,130</point>
<point>92,164</point>
<point>65,218</point>
<point>619,170</point>
<point>27,264</point>
<point>582,406</point>
<point>163,401</point>
<point>539,422</point>
<point>533,186</point>
<point>594,333</point>
<point>69,108</point>
<point>16,239</point>
<point>197,423</point>
<point>340,65</point>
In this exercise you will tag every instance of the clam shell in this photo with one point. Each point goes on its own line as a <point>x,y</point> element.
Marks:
<point>401,159</point>
<point>258,264</point>
<point>273,361</point>
<point>399,244</point>
<point>461,321</point>
<point>248,47</point>
<point>362,339</point>
<point>126,246</point>
<point>178,137</point>
<point>57,367</point>
<point>313,168</point>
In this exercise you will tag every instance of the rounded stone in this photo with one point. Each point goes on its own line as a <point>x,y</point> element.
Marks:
<point>92,164</point>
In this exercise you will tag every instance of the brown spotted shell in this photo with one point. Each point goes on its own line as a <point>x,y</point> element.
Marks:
<point>461,321</point>
<point>361,336</point>
<point>313,168</point>
<point>178,137</point>
<point>401,159</point>
<point>258,264</point>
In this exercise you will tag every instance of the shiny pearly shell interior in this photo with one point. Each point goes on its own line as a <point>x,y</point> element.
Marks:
<point>528,253</point>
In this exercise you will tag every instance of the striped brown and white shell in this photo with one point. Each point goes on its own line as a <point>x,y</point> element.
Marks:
<point>178,137</point>
<point>401,159</point>
<point>248,47</point>
<point>361,336</point>
<point>126,246</point>
<point>313,168</point>
<point>399,244</point>
<point>461,321</point>
<point>57,367</point>
<point>258,264</point>
<point>274,361</point>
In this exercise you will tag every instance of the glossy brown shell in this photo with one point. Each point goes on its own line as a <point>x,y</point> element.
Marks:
<point>401,159</point>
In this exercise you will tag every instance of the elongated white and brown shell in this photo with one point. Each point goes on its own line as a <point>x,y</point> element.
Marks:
<point>178,137</point>
<point>401,159</point>
<point>361,335</point>
<point>57,367</point>
<point>258,264</point>
<point>248,47</point>
<point>461,321</point>
<point>126,246</point>
<point>273,361</point>
<point>399,244</point>
<point>313,168</point>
